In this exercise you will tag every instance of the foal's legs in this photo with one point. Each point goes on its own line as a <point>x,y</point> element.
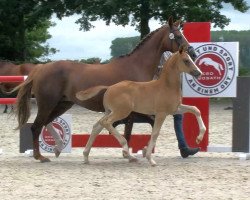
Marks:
<point>194,110</point>
<point>97,128</point>
<point>128,122</point>
<point>159,119</point>
<point>107,122</point>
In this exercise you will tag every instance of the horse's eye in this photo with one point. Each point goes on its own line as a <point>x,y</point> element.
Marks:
<point>186,61</point>
<point>178,37</point>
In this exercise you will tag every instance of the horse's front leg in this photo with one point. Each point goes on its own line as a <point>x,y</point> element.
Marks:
<point>194,110</point>
<point>128,128</point>
<point>159,119</point>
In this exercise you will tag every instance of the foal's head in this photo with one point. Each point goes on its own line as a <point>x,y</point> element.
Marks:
<point>175,38</point>
<point>185,63</point>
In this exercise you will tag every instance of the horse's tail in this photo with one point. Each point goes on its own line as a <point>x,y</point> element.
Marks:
<point>91,92</point>
<point>23,101</point>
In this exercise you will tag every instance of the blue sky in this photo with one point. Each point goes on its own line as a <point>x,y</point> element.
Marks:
<point>74,44</point>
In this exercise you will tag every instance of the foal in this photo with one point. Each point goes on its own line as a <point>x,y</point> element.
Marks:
<point>160,97</point>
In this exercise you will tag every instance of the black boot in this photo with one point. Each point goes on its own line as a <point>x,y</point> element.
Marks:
<point>185,152</point>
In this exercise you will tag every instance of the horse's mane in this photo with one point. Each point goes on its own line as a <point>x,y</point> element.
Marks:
<point>146,38</point>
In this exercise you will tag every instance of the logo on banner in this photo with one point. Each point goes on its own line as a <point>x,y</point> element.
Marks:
<point>61,126</point>
<point>218,69</point>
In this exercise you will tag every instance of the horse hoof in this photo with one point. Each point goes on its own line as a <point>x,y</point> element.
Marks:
<point>85,158</point>
<point>133,159</point>
<point>57,153</point>
<point>153,164</point>
<point>144,151</point>
<point>198,141</point>
<point>125,154</point>
<point>86,162</point>
<point>199,138</point>
<point>44,160</point>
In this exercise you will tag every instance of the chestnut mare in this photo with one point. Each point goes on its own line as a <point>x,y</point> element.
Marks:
<point>10,69</point>
<point>160,97</point>
<point>55,84</point>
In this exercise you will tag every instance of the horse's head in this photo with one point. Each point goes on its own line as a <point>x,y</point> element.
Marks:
<point>175,38</point>
<point>185,62</point>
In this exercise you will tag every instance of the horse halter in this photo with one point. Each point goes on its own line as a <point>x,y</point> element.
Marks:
<point>179,40</point>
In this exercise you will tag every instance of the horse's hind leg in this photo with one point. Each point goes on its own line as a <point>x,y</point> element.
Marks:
<point>61,108</point>
<point>46,113</point>
<point>107,122</point>
<point>5,109</point>
<point>36,129</point>
<point>128,128</point>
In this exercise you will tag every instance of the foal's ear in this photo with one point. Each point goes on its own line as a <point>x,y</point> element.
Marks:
<point>170,21</point>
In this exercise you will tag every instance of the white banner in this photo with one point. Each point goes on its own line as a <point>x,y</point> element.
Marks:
<point>62,125</point>
<point>219,63</point>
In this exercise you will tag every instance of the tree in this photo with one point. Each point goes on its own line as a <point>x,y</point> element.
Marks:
<point>23,30</point>
<point>244,43</point>
<point>139,12</point>
<point>122,46</point>
<point>93,60</point>
<point>244,47</point>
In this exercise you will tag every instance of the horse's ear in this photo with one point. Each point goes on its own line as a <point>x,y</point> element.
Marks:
<point>177,23</point>
<point>181,48</point>
<point>170,21</point>
<point>181,24</point>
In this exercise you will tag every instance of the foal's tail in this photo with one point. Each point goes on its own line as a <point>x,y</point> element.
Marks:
<point>91,92</point>
<point>23,101</point>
